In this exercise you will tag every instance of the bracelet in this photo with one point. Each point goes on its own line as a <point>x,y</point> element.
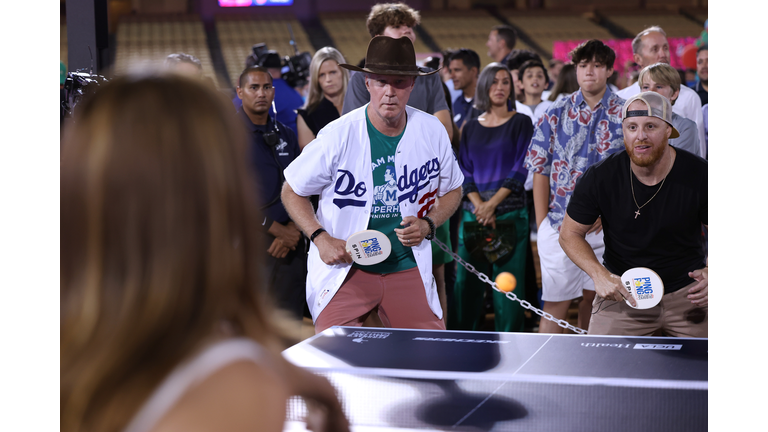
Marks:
<point>431,234</point>
<point>316,233</point>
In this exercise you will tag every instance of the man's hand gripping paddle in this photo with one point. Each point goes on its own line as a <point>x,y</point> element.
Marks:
<point>644,285</point>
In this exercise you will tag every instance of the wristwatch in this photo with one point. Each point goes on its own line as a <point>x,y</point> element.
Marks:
<point>431,234</point>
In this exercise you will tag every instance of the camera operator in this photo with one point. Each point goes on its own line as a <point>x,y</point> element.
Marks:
<point>273,147</point>
<point>287,99</point>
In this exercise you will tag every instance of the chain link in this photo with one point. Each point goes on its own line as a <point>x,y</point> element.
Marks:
<point>510,295</point>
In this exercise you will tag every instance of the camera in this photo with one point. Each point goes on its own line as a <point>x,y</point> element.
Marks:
<point>296,69</point>
<point>77,86</point>
<point>293,70</point>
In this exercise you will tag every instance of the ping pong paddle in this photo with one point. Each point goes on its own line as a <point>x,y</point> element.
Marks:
<point>369,247</point>
<point>644,285</point>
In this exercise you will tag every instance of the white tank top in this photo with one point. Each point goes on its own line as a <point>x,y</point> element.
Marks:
<point>190,373</point>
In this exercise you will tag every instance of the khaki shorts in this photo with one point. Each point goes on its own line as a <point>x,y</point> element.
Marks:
<point>561,279</point>
<point>675,315</point>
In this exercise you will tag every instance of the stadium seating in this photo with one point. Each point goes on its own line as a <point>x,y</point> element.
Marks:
<point>351,36</point>
<point>238,34</point>
<point>465,29</point>
<point>148,40</point>
<point>546,29</point>
<point>142,39</point>
<point>674,25</point>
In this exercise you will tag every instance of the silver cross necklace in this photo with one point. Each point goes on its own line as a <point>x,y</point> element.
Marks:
<point>631,184</point>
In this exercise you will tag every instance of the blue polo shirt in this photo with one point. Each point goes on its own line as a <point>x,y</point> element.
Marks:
<point>264,160</point>
<point>462,110</point>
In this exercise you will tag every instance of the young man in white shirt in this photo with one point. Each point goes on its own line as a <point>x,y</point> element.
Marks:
<point>533,80</point>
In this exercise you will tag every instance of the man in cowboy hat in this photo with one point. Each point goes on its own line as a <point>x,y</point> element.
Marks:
<point>398,20</point>
<point>346,165</point>
<point>652,199</point>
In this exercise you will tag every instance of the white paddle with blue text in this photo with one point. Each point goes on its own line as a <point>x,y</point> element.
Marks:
<point>644,285</point>
<point>369,247</point>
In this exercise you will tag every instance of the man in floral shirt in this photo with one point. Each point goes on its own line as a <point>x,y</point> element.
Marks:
<point>575,133</point>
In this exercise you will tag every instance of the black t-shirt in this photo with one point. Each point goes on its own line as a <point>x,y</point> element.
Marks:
<point>324,113</point>
<point>666,236</point>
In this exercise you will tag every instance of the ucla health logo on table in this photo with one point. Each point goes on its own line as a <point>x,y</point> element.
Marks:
<point>643,288</point>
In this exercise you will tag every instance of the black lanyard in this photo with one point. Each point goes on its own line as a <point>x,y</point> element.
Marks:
<point>271,139</point>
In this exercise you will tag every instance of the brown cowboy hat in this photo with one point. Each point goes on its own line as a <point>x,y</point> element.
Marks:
<point>388,56</point>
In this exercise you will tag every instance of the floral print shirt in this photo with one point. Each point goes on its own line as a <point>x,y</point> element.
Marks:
<point>569,138</point>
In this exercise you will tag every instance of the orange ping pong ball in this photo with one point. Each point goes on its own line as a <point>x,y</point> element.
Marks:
<point>506,281</point>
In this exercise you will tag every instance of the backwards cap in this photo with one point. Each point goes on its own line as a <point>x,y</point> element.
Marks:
<point>657,106</point>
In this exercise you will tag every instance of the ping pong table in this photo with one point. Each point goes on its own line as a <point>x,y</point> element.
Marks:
<point>399,379</point>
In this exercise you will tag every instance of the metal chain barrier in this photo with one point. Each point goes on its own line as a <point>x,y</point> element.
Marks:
<point>510,295</point>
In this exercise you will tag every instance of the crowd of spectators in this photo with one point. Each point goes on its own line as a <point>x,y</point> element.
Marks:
<point>521,152</point>
<point>573,110</point>
<point>492,144</point>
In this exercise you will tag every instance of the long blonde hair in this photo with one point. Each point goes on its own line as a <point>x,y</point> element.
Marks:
<point>158,244</point>
<point>315,92</point>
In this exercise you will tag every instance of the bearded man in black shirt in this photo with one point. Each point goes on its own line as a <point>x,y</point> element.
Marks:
<point>652,200</point>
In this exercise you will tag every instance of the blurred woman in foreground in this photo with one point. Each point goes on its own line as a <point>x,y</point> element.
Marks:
<point>327,87</point>
<point>164,324</point>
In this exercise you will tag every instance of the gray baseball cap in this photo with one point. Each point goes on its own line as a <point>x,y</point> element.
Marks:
<point>658,106</point>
